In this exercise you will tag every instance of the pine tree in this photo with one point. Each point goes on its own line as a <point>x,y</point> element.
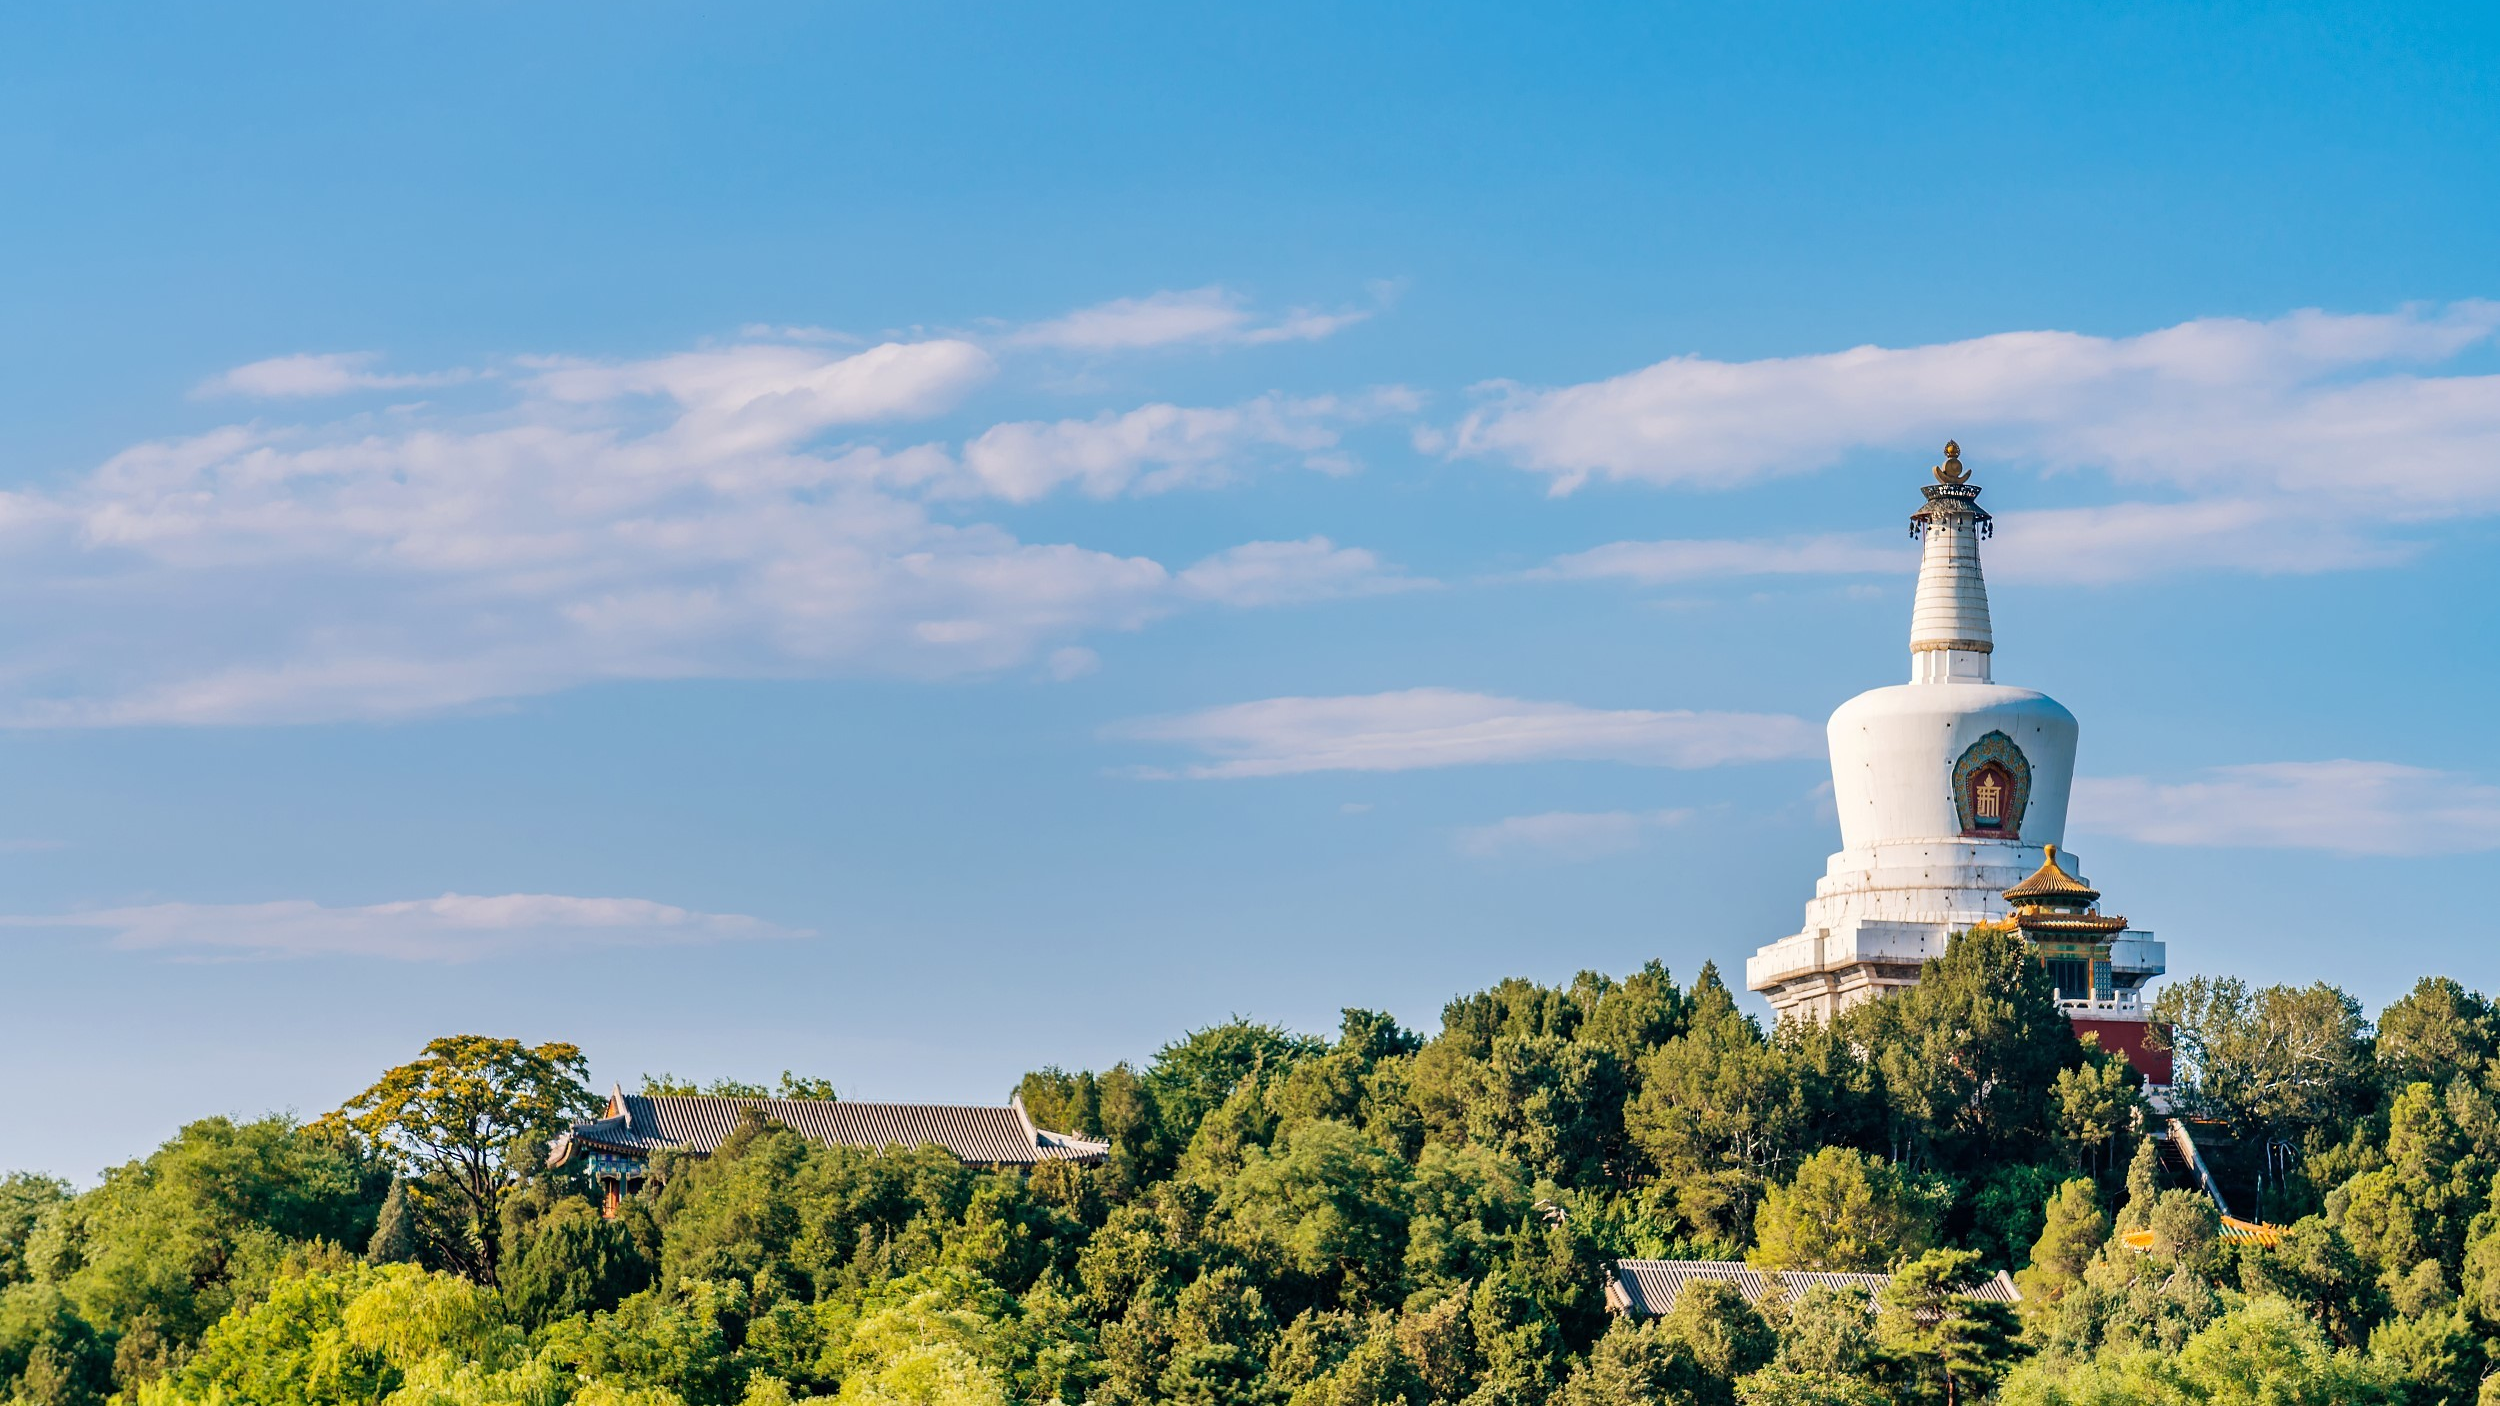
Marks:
<point>2076,1229</point>
<point>395,1232</point>
<point>1948,1343</point>
<point>2143,1189</point>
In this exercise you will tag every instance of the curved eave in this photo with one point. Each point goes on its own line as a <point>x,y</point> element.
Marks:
<point>2088,925</point>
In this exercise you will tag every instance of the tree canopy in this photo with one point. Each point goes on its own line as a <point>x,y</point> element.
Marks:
<point>464,1121</point>
<point>1376,1216</point>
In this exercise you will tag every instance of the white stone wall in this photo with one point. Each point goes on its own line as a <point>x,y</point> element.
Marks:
<point>1952,600</point>
<point>1893,751</point>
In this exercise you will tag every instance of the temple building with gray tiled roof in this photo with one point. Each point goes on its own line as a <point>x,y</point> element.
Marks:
<point>615,1149</point>
<point>1648,1288</point>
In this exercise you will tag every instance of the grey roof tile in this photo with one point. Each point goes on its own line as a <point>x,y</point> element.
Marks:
<point>1649,1287</point>
<point>640,1124</point>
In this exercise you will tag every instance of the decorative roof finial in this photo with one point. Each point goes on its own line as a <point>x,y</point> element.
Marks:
<point>1951,470</point>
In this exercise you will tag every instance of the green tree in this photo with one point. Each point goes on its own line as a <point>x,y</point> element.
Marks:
<point>455,1118</point>
<point>290,1348</point>
<point>1719,1337</point>
<point>1968,1059</point>
<point>25,1199</point>
<point>1508,1071</point>
<point>2434,1033</point>
<point>682,1342</point>
<point>1134,1122</point>
<point>2097,1103</point>
<point>1634,1364</point>
<point>395,1239</point>
<point>49,1356</point>
<point>1221,1333</point>
<point>165,1246</point>
<point>1062,1102</point>
<point>1719,1111</point>
<point>2421,1204</point>
<point>1778,1386</point>
<point>2314,1267</point>
<point>2263,1354</point>
<point>1327,1206</point>
<point>1844,1211</point>
<point>562,1257</point>
<point>1950,1345</point>
<point>1520,1351</point>
<point>2003,1210</point>
<point>2072,1236</point>
<point>945,1337</point>
<point>1193,1075</point>
<point>738,1215</point>
<point>2433,1358</point>
<point>1633,1016</point>
<point>2273,1063</point>
<point>1827,1331</point>
<point>2143,1188</point>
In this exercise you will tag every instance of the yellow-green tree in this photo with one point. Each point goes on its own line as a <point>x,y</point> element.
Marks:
<point>463,1119</point>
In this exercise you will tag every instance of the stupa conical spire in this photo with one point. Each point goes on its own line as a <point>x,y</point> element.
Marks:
<point>1949,637</point>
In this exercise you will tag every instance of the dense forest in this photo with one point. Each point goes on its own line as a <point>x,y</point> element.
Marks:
<point>1374,1217</point>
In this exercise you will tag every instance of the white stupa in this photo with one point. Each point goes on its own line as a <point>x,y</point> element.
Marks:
<point>1951,789</point>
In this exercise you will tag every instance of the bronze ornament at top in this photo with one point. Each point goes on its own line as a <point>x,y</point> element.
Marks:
<point>1951,470</point>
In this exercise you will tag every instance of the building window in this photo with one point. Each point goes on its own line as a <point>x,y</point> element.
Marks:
<point>2073,976</point>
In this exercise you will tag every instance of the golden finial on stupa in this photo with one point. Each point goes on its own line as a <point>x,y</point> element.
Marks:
<point>1951,470</point>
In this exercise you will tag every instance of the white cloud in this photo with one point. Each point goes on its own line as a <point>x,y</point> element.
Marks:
<point>2350,807</point>
<point>1155,448</point>
<point>1437,727</point>
<point>668,518</point>
<point>1566,836</point>
<point>756,397</point>
<point>1202,315</point>
<point>1288,573</point>
<point>310,375</point>
<point>453,928</point>
<point>2311,403</point>
<point>2312,442</point>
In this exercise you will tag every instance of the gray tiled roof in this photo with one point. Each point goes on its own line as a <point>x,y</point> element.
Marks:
<point>638,1124</point>
<point>1649,1287</point>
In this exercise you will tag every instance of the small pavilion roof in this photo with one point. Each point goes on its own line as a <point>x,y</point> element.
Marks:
<point>2050,883</point>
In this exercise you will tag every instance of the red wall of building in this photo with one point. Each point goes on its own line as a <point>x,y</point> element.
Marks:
<point>2126,1037</point>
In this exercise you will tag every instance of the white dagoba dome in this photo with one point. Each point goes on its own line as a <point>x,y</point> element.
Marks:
<point>1948,787</point>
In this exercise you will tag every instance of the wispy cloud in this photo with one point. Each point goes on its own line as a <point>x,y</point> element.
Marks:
<point>2350,807</point>
<point>2305,443</point>
<point>453,928</point>
<point>1439,727</point>
<point>762,397</point>
<point>1292,573</point>
<point>2308,401</point>
<point>1211,315</point>
<point>310,375</point>
<point>717,513</point>
<point>1566,836</point>
<point>1156,448</point>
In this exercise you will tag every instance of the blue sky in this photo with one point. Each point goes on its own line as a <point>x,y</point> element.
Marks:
<point>910,543</point>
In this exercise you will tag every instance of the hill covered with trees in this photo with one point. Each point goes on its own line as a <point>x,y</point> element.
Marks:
<point>1372,1217</point>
